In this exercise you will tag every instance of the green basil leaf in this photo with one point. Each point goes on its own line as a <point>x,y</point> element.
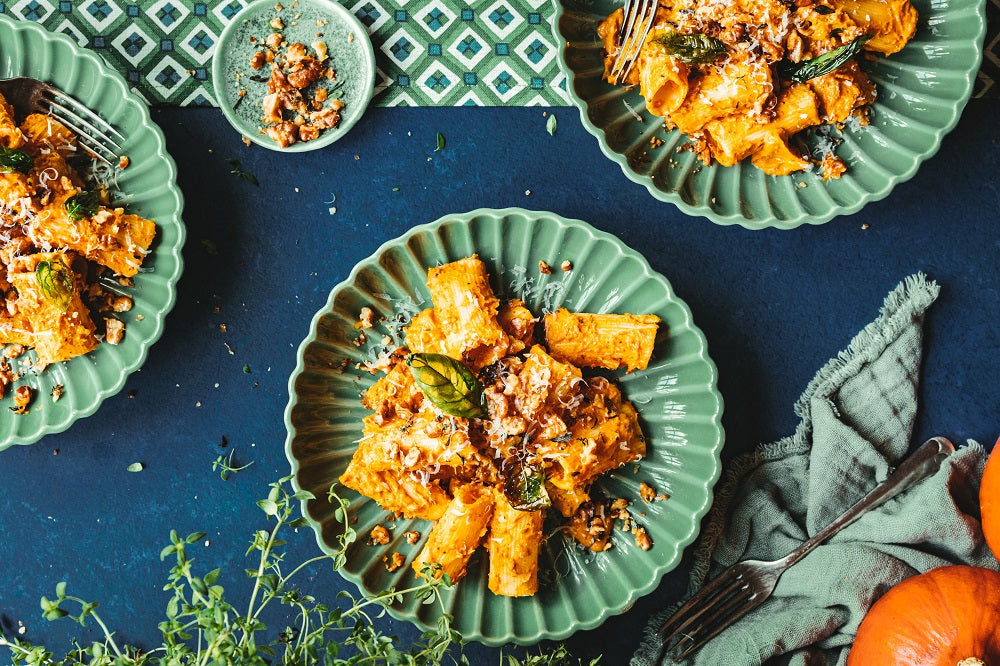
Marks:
<point>693,49</point>
<point>57,283</point>
<point>12,159</point>
<point>820,65</point>
<point>824,10</point>
<point>524,488</point>
<point>448,384</point>
<point>82,204</point>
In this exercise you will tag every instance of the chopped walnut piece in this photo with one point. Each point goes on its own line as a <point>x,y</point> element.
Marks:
<point>13,351</point>
<point>567,266</point>
<point>277,24</point>
<point>379,536</point>
<point>123,161</point>
<point>57,392</point>
<point>308,132</point>
<point>412,537</point>
<point>22,398</point>
<point>122,304</point>
<point>647,492</point>
<point>257,60</point>
<point>642,539</point>
<point>365,318</point>
<point>393,562</point>
<point>274,40</point>
<point>114,331</point>
<point>544,268</point>
<point>284,134</point>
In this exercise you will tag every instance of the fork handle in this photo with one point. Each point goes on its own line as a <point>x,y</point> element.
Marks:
<point>922,463</point>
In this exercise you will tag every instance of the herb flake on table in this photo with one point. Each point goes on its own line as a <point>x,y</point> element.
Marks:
<point>551,124</point>
<point>245,175</point>
<point>440,142</point>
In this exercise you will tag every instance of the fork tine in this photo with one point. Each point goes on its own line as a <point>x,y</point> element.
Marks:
<point>84,113</point>
<point>93,146</point>
<point>714,593</point>
<point>640,20</point>
<point>79,119</point>
<point>729,612</point>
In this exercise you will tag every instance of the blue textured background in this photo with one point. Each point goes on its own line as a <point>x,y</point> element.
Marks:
<point>773,305</point>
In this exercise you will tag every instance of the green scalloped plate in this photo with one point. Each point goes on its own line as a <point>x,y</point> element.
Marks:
<point>679,404</point>
<point>922,91</point>
<point>150,188</point>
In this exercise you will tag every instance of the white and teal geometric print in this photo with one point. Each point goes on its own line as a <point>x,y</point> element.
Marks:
<point>428,52</point>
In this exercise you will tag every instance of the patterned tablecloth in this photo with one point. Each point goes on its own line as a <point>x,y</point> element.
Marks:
<point>428,52</point>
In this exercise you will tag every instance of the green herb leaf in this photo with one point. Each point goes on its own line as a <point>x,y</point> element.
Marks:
<point>820,65</point>
<point>57,283</point>
<point>82,204</point>
<point>448,384</point>
<point>440,142</point>
<point>245,175</point>
<point>524,488</point>
<point>135,467</point>
<point>246,369</point>
<point>824,10</point>
<point>551,124</point>
<point>12,159</point>
<point>693,49</point>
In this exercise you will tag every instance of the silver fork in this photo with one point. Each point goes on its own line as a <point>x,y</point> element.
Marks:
<point>94,133</point>
<point>745,585</point>
<point>636,23</point>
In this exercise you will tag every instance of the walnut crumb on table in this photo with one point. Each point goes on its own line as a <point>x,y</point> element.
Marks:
<point>544,268</point>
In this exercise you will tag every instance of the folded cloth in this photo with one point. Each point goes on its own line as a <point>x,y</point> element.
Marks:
<point>857,421</point>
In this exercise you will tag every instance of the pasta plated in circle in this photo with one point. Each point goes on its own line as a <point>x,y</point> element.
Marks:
<point>678,403</point>
<point>920,92</point>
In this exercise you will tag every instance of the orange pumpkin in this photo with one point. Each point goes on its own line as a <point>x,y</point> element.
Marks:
<point>989,500</point>
<point>949,616</point>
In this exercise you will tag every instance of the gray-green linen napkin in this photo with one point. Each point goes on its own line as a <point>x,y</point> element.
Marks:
<point>857,421</point>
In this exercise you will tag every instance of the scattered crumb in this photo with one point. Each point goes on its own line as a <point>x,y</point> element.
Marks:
<point>123,161</point>
<point>567,266</point>
<point>544,268</point>
<point>412,537</point>
<point>365,318</point>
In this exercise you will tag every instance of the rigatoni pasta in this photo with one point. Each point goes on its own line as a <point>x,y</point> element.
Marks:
<point>485,424</point>
<point>742,77</point>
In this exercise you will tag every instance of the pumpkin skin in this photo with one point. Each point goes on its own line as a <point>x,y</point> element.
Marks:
<point>938,618</point>
<point>989,501</point>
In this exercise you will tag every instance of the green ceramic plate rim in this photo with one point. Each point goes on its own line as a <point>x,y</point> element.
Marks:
<point>363,41</point>
<point>172,219</point>
<point>663,567</point>
<point>958,104</point>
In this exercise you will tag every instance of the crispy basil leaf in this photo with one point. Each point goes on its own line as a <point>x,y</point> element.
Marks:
<point>12,159</point>
<point>524,488</point>
<point>823,9</point>
<point>56,282</point>
<point>693,49</point>
<point>448,384</point>
<point>820,65</point>
<point>82,204</point>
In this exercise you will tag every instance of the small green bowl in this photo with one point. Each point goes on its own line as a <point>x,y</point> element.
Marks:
<point>350,54</point>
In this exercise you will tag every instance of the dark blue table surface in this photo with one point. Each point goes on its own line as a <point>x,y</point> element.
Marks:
<point>774,305</point>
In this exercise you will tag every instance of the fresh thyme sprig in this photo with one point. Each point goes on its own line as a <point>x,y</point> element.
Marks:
<point>224,465</point>
<point>203,629</point>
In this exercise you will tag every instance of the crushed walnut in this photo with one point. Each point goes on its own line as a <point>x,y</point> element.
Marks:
<point>544,268</point>
<point>22,398</point>
<point>114,331</point>
<point>379,536</point>
<point>412,537</point>
<point>298,105</point>
<point>365,318</point>
<point>393,562</point>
